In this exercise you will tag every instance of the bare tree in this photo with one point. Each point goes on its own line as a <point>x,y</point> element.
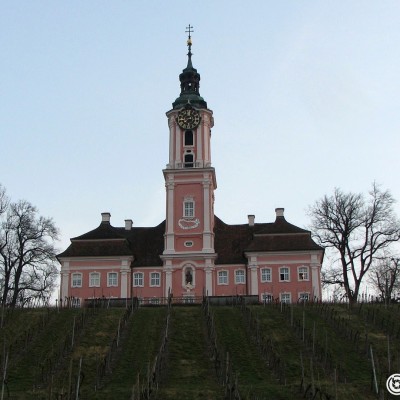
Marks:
<point>27,254</point>
<point>4,201</point>
<point>358,228</point>
<point>385,278</point>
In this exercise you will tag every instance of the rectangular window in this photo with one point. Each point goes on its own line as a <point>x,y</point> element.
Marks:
<point>76,280</point>
<point>267,298</point>
<point>76,302</point>
<point>285,298</point>
<point>94,279</point>
<point>303,297</point>
<point>266,275</point>
<point>284,274</point>
<point>154,279</point>
<point>112,279</point>
<point>188,210</point>
<point>154,300</point>
<point>303,274</point>
<point>222,277</point>
<point>138,279</point>
<point>240,276</point>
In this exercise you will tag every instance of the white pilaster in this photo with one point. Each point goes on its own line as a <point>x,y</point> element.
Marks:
<point>65,279</point>
<point>315,281</point>
<point>253,279</point>
<point>65,284</point>
<point>199,144</point>
<point>209,282</point>
<point>178,145</point>
<point>169,234</point>
<point>207,242</point>
<point>124,284</point>
<point>172,129</point>
<point>168,281</point>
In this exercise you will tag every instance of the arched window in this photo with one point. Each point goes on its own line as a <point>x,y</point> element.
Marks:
<point>189,160</point>
<point>189,138</point>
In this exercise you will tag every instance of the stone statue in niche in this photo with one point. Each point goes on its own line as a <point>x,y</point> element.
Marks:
<point>189,277</point>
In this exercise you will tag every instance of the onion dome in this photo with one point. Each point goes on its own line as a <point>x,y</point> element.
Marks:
<point>190,82</point>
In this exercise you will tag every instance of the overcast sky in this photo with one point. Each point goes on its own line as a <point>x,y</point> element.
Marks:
<point>305,96</point>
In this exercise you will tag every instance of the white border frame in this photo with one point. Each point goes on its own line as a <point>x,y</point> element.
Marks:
<point>90,278</point>
<point>72,279</point>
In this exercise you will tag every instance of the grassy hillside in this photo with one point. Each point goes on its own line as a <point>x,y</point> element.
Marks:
<point>269,352</point>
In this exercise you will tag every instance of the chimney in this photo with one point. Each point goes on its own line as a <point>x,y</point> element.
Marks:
<point>105,217</point>
<point>128,224</point>
<point>279,212</point>
<point>251,219</point>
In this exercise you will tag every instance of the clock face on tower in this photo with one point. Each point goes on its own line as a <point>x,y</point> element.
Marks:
<point>188,118</point>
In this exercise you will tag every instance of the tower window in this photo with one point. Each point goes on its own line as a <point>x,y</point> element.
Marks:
<point>189,160</point>
<point>188,208</point>
<point>189,138</point>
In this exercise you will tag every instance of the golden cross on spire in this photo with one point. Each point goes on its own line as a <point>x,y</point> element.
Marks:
<point>189,30</point>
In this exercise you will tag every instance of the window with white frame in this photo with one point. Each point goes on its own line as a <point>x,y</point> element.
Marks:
<point>285,297</point>
<point>267,298</point>
<point>94,279</point>
<point>240,277</point>
<point>188,208</point>
<point>284,274</point>
<point>76,280</point>
<point>303,297</point>
<point>154,279</point>
<point>266,275</point>
<point>303,273</point>
<point>112,279</point>
<point>138,279</point>
<point>76,302</point>
<point>222,277</point>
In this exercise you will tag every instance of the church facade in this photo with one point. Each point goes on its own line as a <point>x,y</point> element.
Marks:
<point>192,252</point>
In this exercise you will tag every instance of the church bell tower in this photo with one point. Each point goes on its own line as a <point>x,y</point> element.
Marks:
<point>190,181</point>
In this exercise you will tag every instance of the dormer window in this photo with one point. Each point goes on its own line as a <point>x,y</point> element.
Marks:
<point>189,138</point>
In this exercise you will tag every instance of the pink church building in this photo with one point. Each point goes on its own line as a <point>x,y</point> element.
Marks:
<point>192,252</point>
